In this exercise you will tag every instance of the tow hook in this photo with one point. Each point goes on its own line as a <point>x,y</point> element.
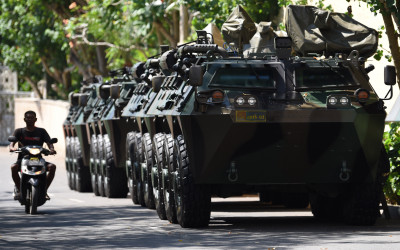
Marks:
<point>344,172</point>
<point>233,172</point>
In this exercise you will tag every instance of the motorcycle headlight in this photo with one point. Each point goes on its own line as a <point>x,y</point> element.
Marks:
<point>34,151</point>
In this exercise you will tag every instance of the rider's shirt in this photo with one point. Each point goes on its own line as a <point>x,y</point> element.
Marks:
<point>35,137</point>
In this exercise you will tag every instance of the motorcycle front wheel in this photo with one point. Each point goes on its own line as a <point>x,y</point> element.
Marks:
<point>28,201</point>
<point>34,199</point>
<point>31,200</point>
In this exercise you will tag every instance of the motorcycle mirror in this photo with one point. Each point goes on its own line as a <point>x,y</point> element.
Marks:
<point>12,139</point>
<point>53,140</point>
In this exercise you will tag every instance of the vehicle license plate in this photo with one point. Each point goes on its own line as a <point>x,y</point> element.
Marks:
<point>251,116</point>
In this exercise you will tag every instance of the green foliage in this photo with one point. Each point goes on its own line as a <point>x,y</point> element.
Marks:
<point>218,11</point>
<point>31,35</point>
<point>392,146</point>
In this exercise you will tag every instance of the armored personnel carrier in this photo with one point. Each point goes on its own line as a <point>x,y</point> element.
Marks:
<point>282,120</point>
<point>108,131</point>
<point>140,159</point>
<point>77,146</point>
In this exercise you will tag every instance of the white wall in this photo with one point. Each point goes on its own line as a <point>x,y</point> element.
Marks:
<point>50,114</point>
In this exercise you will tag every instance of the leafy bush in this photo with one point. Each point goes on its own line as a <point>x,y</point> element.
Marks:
<point>392,145</point>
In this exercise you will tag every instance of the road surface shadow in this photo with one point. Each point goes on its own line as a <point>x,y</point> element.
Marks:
<point>137,227</point>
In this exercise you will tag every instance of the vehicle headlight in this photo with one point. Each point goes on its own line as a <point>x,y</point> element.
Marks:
<point>240,100</point>
<point>344,100</point>
<point>34,151</point>
<point>332,100</point>
<point>338,102</point>
<point>252,101</point>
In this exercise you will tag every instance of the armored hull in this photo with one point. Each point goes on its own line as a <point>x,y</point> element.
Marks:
<point>290,146</point>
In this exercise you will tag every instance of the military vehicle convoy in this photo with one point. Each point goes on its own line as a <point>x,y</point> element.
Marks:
<point>269,114</point>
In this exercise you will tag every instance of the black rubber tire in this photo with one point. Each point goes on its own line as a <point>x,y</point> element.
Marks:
<point>130,141</point>
<point>74,140</point>
<point>93,165</point>
<point>34,200</point>
<point>158,142</point>
<point>361,204</point>
<point>147,157</point>
<point>68,161</point>
<point>28,201</point>
<point>192,201</point>
<point>137,160</point>
<point>100,169</point>
<point>82,174</point>
<point>115,183</point>
<point>167,179</point>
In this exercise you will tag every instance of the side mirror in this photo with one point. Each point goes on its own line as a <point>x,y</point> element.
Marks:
<point>53,140</point>
<point>390,75</point>
<point>196,75</point>
<point>114,91</point>
<point>156,82</point>
<point>83,100</point>
<point>12,139</point>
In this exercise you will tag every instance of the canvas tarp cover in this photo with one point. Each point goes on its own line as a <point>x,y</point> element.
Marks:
<point>319,31</point>
<point>239,28</point>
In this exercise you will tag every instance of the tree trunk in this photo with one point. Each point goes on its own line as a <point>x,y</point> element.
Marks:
<point>393,40</point>
<point>158,26</point>
<point>101,60</point>
<point>34,87</point>
<point>175,25</point>
<point>74,59</point>
<point>183,24</point>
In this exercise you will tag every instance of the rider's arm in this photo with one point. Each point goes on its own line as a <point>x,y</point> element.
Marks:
<point>12,147</point>
<point>46,138</point>
<point>51,148</point>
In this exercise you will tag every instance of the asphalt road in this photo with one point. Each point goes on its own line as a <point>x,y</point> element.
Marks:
<point>72,220</point>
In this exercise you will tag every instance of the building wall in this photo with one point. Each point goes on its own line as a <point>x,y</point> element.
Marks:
<point>50,114</point>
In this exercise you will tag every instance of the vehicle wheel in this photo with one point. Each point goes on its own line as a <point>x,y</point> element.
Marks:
<point>68,161</point>
<point>158,143</point>
<point>167,179</point>
<point>28,201</point>
<point>192,201</point>
<point>74,140</point>
<point>325,208</point>
<point>361,204</point>
<point>100,167</point>
<point>34,200</point>
<point>130,141</point>
<point>147,166</point>
<point>115,178</point>
<point>82,174</point>
<point>137,160</point>
<point>295,200</point>
<point>93,165</point>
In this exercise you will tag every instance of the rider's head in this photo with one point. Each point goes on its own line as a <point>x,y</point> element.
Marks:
<point>30,118</point>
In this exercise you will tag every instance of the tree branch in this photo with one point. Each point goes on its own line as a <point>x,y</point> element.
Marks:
<point>34,86</point>
<point>165,33</point>
<point>392,37</point>
<point>85,40</point>
<point>56,76</point>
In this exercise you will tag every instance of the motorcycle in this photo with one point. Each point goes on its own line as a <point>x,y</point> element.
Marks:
<point>33,175</point>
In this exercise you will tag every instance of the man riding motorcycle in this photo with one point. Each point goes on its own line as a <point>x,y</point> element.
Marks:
<point>31,135</point>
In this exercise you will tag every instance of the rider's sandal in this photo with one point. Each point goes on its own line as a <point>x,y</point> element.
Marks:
<point>47,197</point>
